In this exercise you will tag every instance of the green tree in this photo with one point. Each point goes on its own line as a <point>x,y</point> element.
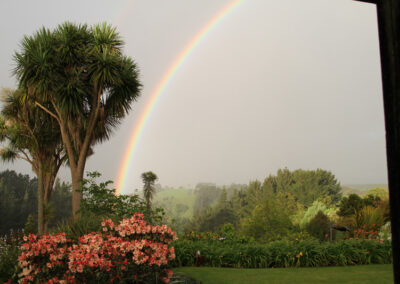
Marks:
<point>268,221</point>
<point>213,218</point>
<point>206,195</point>
<point>305,185</point>
<point>18,199</point>
<point>313,210</point>
<point>148,179</point>
<point>88,82</point>
<point>35,138</point>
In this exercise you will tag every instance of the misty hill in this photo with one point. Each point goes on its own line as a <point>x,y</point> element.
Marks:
<point>360,189</point>
<point>176,202</point>
<point>182,202</point>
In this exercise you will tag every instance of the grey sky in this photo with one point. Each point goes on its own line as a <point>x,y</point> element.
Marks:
<point>277,83</point>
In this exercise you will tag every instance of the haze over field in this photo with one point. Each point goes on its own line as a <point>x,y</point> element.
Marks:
<point>276,84</point>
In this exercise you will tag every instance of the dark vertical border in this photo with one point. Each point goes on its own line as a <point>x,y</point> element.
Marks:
<point>389,42</point>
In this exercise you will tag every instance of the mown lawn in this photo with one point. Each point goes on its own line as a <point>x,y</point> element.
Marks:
<point>379,273</point>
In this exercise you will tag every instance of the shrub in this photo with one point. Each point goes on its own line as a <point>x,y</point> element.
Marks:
<point>313,210</point>
<point>369,218</point>
<point>267,221</point>
<point>228,231</point>
<point>100,200</point>
<point>129,251</point>
<point>9,251</point>
<point>306,253</point>
<point>318,226</point>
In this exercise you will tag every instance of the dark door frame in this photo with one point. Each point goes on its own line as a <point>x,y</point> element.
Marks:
<point>388,12</point>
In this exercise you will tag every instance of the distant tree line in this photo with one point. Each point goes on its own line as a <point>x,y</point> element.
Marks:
<point>285,205</point>
<point>18,202</point>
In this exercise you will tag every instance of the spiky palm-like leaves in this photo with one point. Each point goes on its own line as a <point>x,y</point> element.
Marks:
<point>148,179</point>
<point>89,83</point>
<point>30,135</point>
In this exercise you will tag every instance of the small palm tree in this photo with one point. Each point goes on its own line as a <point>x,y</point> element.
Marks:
<point>148,187</point>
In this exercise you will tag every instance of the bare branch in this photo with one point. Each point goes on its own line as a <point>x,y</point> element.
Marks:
<point>48,111</point>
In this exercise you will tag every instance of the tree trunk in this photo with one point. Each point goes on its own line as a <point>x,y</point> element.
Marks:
<point>48,183</point>
<point>45,216</point>
<point>40,203</point>
<point>77,176</point>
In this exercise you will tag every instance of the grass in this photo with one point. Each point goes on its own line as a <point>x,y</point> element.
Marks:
<point>381,273</point>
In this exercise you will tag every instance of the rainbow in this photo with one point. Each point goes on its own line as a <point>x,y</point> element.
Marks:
<point>167,77</point>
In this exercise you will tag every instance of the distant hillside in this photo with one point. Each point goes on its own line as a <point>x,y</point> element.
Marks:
<point>176,202</point>
<point>360,189</point>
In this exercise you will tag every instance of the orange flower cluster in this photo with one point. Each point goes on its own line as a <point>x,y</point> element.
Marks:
<point>129,249</point>
<point>366,232</point>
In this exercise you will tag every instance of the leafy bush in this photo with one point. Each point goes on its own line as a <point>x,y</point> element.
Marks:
<point>9,251</point>
<point>369,218</point>
<point>267,221</point>
<point>313,210</point>
<point>100,202</point>
<point>130,251</point>
<point>305,253</point>
<point>319,226</point>
<point>228,231</point>
<point>86,224</point>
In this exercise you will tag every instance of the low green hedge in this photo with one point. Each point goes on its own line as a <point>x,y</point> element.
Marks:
<point>307,253</point>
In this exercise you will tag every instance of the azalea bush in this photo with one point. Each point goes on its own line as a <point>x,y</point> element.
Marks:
<point>99,202</point>
<point>130,251</point>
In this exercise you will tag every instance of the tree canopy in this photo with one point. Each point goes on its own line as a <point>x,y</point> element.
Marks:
<point>81,73</point>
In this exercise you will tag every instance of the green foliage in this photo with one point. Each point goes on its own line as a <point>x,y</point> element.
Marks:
<point>349,205</point>
<point>319,226</point>
<point>305,186</point>
<point>353,204</point>
<point>206,195</point>
<point>80,79</point>
<point>268,221</point>
<point>31,135</point>
<point>369,217</point>
<point>9,252</point>
<point>18,199</point>
<point>313,210</point>
<point>307,253</point>
<point>380,192</point>
<point>87,223</point>
<point>228,231</point>
<point>99,202</point>
<point>178,203</point>
<point>18,202</point>
<point>212,219</point>
<point>148,179</point>
<point>30,225</point>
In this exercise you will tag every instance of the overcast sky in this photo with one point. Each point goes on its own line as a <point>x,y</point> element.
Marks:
<point>276,84</point>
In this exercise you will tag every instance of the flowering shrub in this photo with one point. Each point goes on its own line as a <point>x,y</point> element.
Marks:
<point>367,232</point>
<point>131,251</point>
<point>196,236</point>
